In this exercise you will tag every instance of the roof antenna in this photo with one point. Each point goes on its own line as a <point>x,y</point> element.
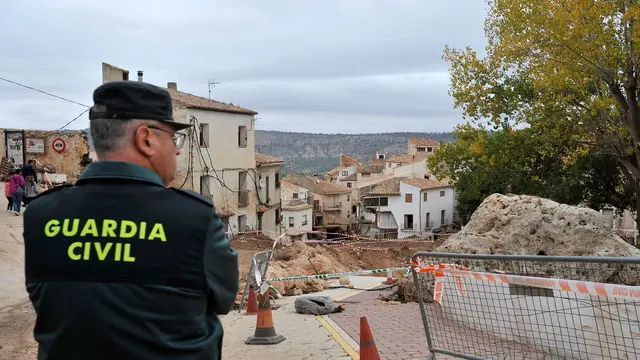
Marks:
<point>214,83</point>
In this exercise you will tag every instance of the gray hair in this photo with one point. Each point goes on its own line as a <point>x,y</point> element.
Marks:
<point>110,134</point>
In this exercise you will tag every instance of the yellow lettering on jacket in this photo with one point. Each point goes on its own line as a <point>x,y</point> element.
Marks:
<point>106,228</point>
<point>102,251</point>
<point>116,236</point>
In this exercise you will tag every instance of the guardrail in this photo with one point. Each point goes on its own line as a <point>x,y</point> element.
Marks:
<point>529,307</point>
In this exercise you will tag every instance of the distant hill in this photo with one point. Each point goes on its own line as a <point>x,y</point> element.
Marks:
<point>308,153</point>
<point>316,153</point>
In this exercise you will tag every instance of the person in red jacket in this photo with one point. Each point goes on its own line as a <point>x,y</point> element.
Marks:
<point>16,188</point>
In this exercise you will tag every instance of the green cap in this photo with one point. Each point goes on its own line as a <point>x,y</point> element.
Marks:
<point>128,100</point>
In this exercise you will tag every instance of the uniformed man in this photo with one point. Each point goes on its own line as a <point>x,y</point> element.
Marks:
<point>118,266</point>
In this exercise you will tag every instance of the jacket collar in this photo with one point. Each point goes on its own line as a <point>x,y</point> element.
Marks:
<point>119,170</point>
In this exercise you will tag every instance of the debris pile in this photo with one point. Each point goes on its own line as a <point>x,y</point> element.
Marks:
<point>300,259</point>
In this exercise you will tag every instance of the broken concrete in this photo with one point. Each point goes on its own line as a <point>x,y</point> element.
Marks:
<point>317,305</point>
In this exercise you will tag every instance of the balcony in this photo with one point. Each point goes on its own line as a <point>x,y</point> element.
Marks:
<point>317,208</point>
<point>243,198</point>
<point>332,206</point>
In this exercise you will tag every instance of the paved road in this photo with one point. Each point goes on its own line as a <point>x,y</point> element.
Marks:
<point>399,334</point>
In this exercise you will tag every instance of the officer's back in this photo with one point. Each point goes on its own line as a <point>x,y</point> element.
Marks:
<point>118,266</point>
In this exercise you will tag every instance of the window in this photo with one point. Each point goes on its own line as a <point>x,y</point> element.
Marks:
<point>408,222</point>
<point>204,135</point>
<point>442,217</point>
<point>278,216</point>
<point>442,193</point>
<point>277,177</point>
<point>429,149</point>
<point>242,136</point>
<point>426,177</point>
<point>348,198</point>
<point>380,156</point>
<point>304,220</point>
<point>242,223</point>
<point>420,149</point>
<point>389,166</point>
<point>291,221</point>
<point>366,175</point>
<point>348,184</point>
<point>345,173</point>
<point>424,196</point>
<point>295,195</point>
<point>428,221</point>
<point>383,201</point>
<point>408,198</point>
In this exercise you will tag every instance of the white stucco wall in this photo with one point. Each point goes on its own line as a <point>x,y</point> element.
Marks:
<point>268,174</point>
<point>418,169</point>
<point>297,220</point>
<point>434,206</point>
<point>400,208</point>
<point>225,156</point>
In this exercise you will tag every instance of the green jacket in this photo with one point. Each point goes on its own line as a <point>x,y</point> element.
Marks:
<point>119,267</point>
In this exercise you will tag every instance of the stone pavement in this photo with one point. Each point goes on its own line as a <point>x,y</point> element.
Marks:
<point>399,334</point>
<point>306,338</point>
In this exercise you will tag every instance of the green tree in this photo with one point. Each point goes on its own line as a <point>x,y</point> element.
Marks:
<point>481,163</point>
<point>560,67</point>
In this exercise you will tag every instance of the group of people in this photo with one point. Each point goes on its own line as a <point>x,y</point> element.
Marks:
<point>20,187</point>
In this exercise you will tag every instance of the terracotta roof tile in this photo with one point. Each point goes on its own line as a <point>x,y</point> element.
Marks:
<point>352,177</point>
<point>369,168</point>
<point>334,171</point>
<point>295,205</point>
<point>407,159</point>
<point>423,142</point>
<point>199,102</point>
<point>387,187</point>
<point>425,184</point>
<point>262,159</point>
<point>348,160</point>
<point>321,187</point>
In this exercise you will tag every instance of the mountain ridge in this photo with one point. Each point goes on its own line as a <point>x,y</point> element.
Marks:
<point>314,153</point>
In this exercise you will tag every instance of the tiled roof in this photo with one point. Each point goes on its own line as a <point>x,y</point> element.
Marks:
<point>407,159</point>
<point>321,187</point>
<point>262,159</point>
<point>296,206</point>
<point>352,177</point>
<point>387,187</point>
<point>335,171</point>
<point>199,102</point>
<point>348,160</point>
<point>381,152</point>
<point>369,168</point>
<point>289,185</point>
<point>423,142</point>
<point>425,184</point>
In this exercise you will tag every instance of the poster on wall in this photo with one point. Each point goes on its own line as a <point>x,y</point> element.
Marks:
<point>34,145</point>
<point>14,141</point>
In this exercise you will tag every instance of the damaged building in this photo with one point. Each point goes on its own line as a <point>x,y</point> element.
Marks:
<point>64,154</point>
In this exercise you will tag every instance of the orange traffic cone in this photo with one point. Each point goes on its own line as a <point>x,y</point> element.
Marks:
<point>368,349</point>
<point>389,278</point>
<point>265,333</point>
<point>252,302</point>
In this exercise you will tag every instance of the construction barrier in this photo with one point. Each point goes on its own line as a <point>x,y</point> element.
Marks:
<point>513,306</point>
<point>257,272</point>
<point>339,275</point>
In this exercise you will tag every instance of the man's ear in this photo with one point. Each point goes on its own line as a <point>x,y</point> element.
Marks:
<point>144,141</point>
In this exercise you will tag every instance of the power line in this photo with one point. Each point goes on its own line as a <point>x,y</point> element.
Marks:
<point>74,119</point>
<point>44,92</point>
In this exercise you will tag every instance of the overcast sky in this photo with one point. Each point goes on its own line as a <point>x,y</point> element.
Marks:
<point>350,66</point>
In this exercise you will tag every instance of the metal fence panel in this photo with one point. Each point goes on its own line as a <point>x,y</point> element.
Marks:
<point>529,307</point>
<point>260,259</point>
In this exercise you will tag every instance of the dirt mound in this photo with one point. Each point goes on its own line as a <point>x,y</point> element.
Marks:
<point>531,225</point>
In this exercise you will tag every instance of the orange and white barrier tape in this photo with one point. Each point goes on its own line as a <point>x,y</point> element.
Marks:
<point>573,286</point>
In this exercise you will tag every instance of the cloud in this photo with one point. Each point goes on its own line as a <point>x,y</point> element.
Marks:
<point>295,62</point>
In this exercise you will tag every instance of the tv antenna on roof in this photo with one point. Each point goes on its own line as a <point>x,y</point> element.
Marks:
<point>214,83</point>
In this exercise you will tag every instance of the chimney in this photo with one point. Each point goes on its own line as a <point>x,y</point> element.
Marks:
<point>172,85</point>
<point>140,75</point>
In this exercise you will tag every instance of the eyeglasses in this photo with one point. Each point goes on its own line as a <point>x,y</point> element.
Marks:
<point>178,138</point>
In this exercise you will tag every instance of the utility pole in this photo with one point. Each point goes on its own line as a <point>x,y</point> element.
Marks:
<point>212,82</point>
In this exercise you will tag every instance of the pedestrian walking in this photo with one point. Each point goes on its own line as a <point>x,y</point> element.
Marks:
<point>118,265</point>
<point>30,190</point>
<point>16,188</point>
<point>7,194</point>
